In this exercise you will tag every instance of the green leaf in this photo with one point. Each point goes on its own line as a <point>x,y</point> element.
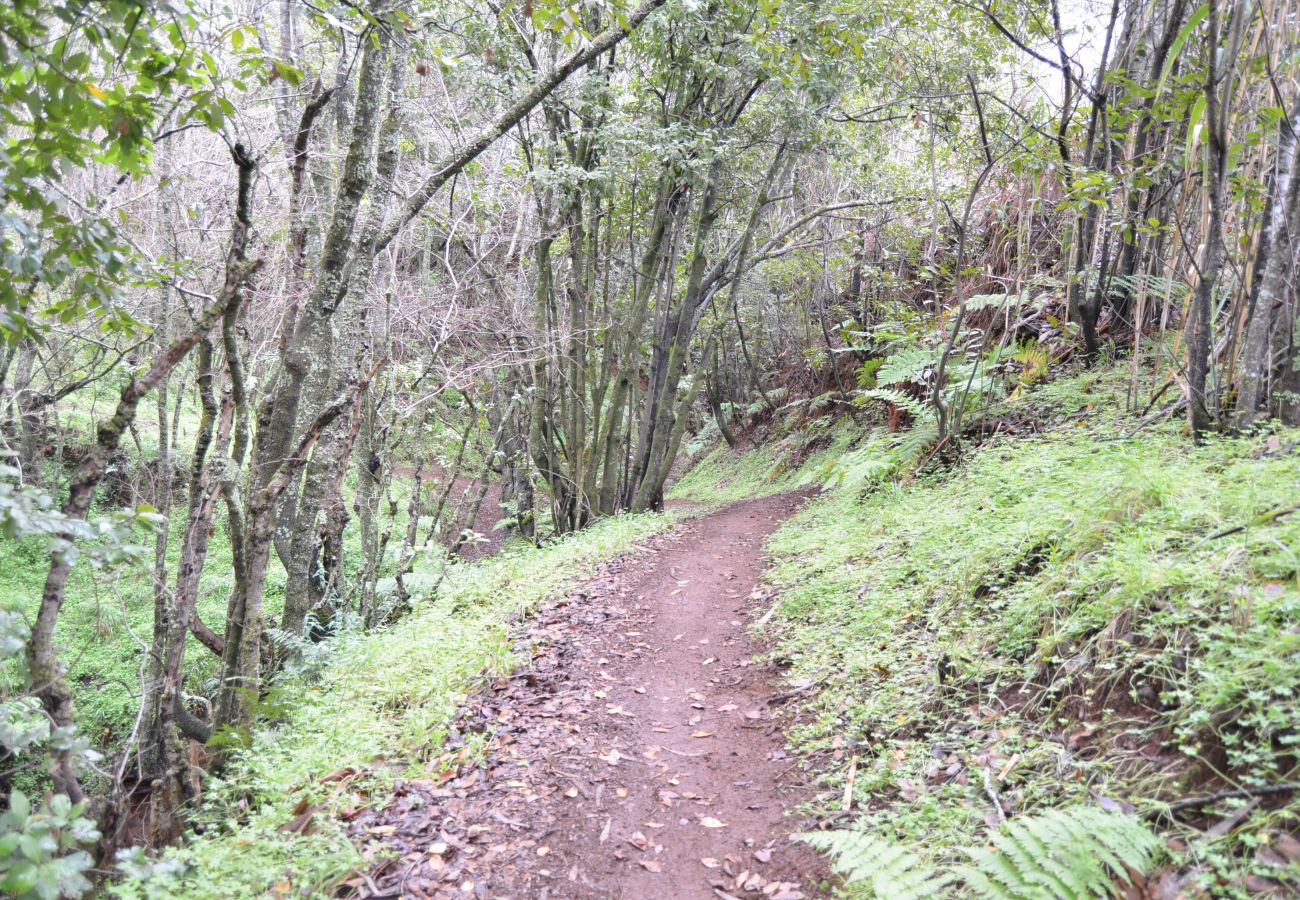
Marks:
<point>1196,19</point>
<point>19,807</point>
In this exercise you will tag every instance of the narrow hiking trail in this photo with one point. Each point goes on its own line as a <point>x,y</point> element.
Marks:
<point>639,755</point>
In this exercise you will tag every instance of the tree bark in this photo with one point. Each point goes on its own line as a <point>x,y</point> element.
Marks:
<point>1276,247</point>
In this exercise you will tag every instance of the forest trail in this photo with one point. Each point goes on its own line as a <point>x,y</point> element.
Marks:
<point>639,755</point>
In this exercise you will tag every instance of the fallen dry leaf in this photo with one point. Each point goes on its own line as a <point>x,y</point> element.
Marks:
<point>710,822</point>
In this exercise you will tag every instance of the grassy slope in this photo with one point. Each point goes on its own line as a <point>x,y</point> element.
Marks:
<point>1049,611</point>
<point>380,708</point>
<point>108,615</point>
<point>108,618</point>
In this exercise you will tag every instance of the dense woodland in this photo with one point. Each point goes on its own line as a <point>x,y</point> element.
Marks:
<point>307,306</point>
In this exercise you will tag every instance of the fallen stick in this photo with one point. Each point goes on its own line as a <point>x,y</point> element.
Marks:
<point>993,795</point>
<point>847,803</point>
<point>1261,519</point>
<point>1288,787</point>
<point>767,616</point>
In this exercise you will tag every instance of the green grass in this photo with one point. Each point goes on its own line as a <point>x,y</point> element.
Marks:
<point>721,475</point>
<point>1049,610</point>
<point>381,707</point>
<point>107,622</point>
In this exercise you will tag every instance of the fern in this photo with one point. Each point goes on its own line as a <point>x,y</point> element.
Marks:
<point>882,866</point>
<point>1077,853</point>
<point>979,302</point>
<point>910,365</point>
<point>1154,285</point>
<point>898,398</point>
<point>1071,854</point>
<point>866,373</point>
<point>911,445</point>
<point>1035,358</point>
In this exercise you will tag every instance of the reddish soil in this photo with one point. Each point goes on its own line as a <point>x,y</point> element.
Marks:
<point>485,523</point>
<point>640,754</point>
<point>463,492</point>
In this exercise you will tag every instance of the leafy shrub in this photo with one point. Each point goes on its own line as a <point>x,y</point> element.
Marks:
<point>39,855</point>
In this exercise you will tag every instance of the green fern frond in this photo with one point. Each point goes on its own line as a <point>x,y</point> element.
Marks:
<point>1080,853</point>
<point>903,401</point>
<point>1066,854</point>
<point>1153,285</point>
<point>866,373</point>
<point>915,443</point>
<point>909,365</point>
<point>978,302</point>
<point>1035,358</point>
<point>885,868</point>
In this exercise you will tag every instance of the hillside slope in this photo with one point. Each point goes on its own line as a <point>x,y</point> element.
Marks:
<point>1082,611</point>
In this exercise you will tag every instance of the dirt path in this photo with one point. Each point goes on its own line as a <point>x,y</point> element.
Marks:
<point>637,757</point>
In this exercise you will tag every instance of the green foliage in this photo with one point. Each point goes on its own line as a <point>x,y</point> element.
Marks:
<point>39,848</point>
<point>1159,287</point>
<point>905,402</point>
<point>109,606</point>
<point>28,513</point>
<point>40,845</point>
<point>1067,854</point>
<point>980,302</point>
<point>82,83</point>
<point>910,365</point>
<point>881,867</point>
<point>1077,853</point>
<point>1035,359</point>
<point>725,476</point>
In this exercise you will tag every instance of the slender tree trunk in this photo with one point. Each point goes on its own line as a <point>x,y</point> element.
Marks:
<point>1276,248</point>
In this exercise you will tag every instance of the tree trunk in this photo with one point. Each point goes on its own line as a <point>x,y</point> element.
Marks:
<point>1282,224</point>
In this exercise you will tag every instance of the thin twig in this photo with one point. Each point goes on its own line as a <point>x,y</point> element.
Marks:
<point>1269,790</point>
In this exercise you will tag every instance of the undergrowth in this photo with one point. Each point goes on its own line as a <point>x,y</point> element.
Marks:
<point>722,475</point>
<point>107,623</point>
<point>1066,854</point>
